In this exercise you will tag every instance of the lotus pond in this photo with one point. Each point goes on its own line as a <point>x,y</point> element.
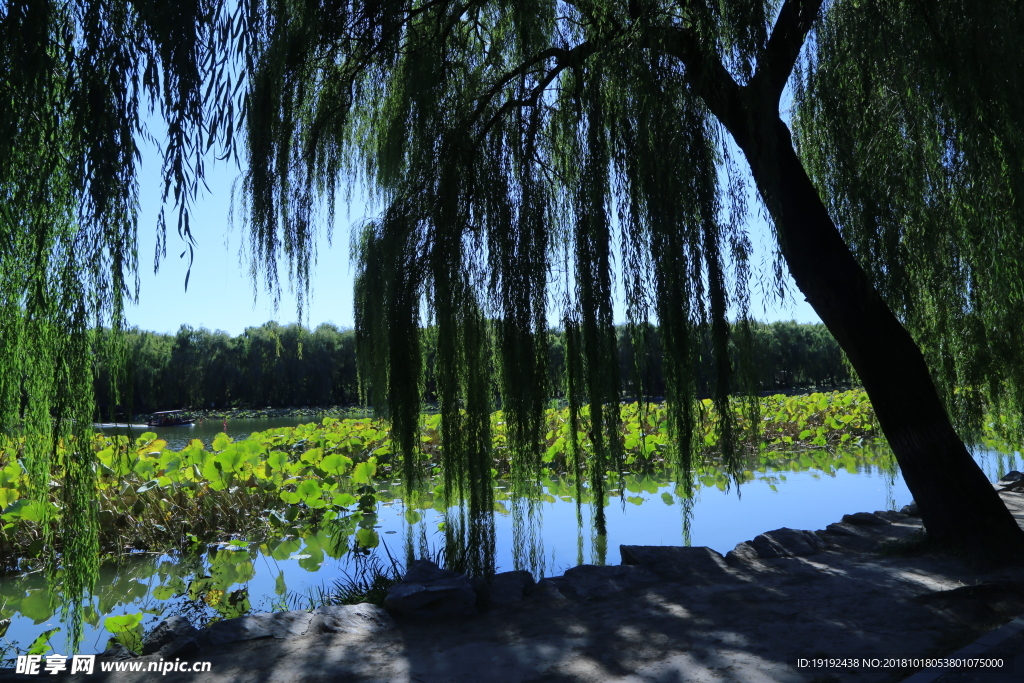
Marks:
<point>215,529</point>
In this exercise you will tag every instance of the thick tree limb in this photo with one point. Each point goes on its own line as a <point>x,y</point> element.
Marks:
<point>776,64</point>
<point>707,76</point>
<point>565,59</point>
<point>958,505</point>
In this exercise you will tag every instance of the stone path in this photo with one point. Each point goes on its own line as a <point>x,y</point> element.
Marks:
<point>671,614</point>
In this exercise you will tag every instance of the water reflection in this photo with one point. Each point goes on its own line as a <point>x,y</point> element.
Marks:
<point>544,533</point>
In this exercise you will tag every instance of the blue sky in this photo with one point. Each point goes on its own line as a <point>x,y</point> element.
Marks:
<point>221,294</point>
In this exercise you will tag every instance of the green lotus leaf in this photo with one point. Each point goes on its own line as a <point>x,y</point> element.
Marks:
<point>367,538</point>
<point>336,463</point>
<point>41,645</point>
<point>29,511</point>
<point>36,606</point>
<point>312,561</point>
<point>364,471</point>
<point>8,496</point>
<point>344,500</point>
<point>145,469</point>
<point>122,622</point>
<point>308,490</point>
<point>278,460</point>
<point>163,593</point>
<point>231,460</point>
<point>313,456</point>
<point>282,550</point>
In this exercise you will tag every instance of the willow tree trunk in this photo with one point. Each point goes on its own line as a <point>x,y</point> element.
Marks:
<point>958,505</point>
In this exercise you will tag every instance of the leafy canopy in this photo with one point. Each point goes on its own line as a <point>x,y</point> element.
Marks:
<point>524,151</point>
<point>502,139</point>
<point>908,119</point>
<point>73,80</point>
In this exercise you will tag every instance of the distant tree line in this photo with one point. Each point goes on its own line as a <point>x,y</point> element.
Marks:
<point>289,365</point>
<point>270,365</point>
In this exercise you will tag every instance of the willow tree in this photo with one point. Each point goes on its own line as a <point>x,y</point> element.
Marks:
<point>504,137</point>
<point>72,77</point>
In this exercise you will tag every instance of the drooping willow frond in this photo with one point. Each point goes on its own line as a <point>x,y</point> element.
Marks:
<point>503,139</point>
<point>73,78</point>
<point>908,121</point>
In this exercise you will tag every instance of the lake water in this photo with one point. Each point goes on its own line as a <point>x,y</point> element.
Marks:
<point>230,580</point>
<point>178,437</point>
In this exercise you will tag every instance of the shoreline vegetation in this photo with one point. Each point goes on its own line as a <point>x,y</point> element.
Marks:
<point>341,412</point>
<point>314,490</point>
<point>291,365</point>
<point>333,473</point>
<point>356,411</point>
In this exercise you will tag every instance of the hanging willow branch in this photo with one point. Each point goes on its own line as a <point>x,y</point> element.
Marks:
<point>73,76</point>
<point>501,139</point>
<point>925,177</point>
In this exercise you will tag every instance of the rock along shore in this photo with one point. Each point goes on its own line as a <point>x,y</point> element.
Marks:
<point>664,614</point>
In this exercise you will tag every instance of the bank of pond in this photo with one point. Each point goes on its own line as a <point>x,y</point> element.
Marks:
<point>216,529</point>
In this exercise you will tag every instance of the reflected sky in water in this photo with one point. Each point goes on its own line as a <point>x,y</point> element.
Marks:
<point>543,537</point>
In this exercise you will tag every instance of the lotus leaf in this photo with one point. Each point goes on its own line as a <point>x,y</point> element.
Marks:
<point>367,538</point>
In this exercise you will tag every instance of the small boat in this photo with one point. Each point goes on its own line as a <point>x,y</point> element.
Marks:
<point>169,418</point>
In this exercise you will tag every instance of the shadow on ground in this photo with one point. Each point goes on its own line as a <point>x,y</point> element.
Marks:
<point>750,620</point>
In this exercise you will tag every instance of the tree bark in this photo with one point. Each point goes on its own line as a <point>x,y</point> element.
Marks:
<point>958,505</point>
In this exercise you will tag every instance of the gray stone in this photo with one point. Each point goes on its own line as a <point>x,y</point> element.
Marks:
<point>1011,481</point>
<point>786,542</point>
<point>171,636</point>
<point>851,537</point>
<point>591,581</point>
<point>361,619</point>
<point>425,571</point>
<point>743,554</point>
<point>845,528</point>
<point>289,624</point>
<point>117,652</point>
<point>551,590</point>
<point>682,564</point>
<point>507,588</point>
<point>260,625</point>
<point>429,591</point>
<point>911,510</point>
<point>891,515</point>
<point>864,519</point>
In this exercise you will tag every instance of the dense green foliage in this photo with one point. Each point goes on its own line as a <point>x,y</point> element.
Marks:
<point>783,356</point>
<point>527,153</point>
<point>284,366</point>
<point>194,518</point>
<point>908,120</point>
<point>502,139</point>
<point>67,243</point>
<point>339,470</point>
<point>75,81</point>
<point>499,138</point>
<point>270,365</point>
